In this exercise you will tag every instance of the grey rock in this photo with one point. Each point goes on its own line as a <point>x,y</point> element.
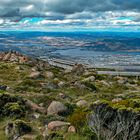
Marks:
<point>56,108</point>
<point>57,125</point>
<point>82,103</point>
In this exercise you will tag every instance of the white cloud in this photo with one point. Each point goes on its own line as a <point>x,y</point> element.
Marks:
<point>70,13</point>
<point>1,21</point>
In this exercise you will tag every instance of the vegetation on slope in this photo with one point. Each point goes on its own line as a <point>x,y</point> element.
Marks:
<point>53,103</point>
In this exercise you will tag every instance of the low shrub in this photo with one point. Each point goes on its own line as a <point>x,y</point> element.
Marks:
<point>78,117</point>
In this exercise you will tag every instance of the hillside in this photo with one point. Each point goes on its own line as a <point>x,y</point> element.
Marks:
<point>42,102</point>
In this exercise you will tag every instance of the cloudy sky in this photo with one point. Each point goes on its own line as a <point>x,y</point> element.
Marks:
<point>55,15</point>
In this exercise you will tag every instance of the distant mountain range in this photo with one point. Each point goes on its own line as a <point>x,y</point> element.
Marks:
<point>96,41</point>
<point>97,48</point>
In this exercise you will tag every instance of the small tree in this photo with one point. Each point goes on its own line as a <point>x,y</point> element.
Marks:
<point>112,124</point>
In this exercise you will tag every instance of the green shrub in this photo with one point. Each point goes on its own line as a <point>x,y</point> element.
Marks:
<point>70,107</point>
<point>78,117</point>
<point>11,106</point>
<point>75,137</point>
<point>128,104</point>
<point>13,110</point>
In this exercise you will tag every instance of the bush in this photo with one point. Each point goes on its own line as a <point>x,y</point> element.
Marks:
<point>75,137</point>
<point>11,106</point>
<point>78,117</point>
<point>70,107</point>
<point>13,110</point>
<point>116,120</point>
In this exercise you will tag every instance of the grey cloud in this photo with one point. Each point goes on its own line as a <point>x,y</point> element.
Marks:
<point>88,12</point>
<point>9,8</point>
<point>72,6</point>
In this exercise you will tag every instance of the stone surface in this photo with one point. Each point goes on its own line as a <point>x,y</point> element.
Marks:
<point>82,103</point>
<point>61,84</point>
<point>62,95</point>
<point>35,75</point>
<point>89,79</point>
<point>72,129</point>
<point>56,108</point>
<point>116,100</point>
<point>57,125</point>
<point>49,75</point>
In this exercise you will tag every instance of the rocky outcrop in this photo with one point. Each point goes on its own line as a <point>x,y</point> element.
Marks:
<point>16,57</point>
<point>13,56</point>
<point>56,108</point>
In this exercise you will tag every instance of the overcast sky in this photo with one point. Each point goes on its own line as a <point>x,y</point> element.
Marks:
<point>48,15</point>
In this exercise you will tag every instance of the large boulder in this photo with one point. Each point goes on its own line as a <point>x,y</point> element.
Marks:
<point>72,129</point>
<point>57,125</point>
<point>89,79</point>
<point>82,103</point>
<point>61,84</point>
<point>49,74</point>
<point>35,75</point>
<point>34,69</point>
<point>56,108</point>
